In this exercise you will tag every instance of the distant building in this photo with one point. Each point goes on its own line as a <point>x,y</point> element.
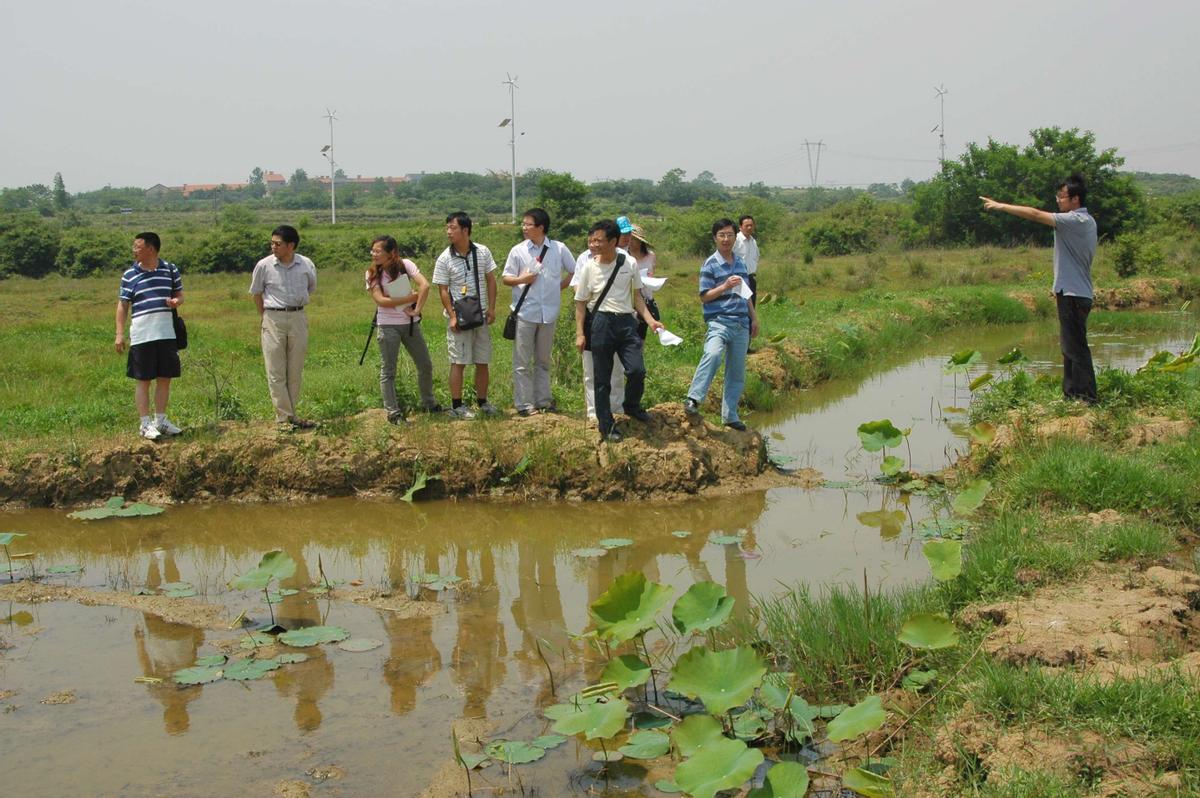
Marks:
<point>158,191</point>
<point>273,180</point>
<point>390,182</point>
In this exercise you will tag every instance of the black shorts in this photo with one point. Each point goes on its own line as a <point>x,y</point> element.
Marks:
<point>152,360</point>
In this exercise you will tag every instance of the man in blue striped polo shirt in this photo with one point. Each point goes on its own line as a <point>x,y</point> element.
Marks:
<point>150,289</point>
<point>731,321</point>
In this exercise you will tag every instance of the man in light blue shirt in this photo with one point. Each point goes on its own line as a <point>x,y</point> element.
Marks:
<point>1074,248</point>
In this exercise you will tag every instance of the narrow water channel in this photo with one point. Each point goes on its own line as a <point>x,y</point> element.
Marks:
<point>383,716</point>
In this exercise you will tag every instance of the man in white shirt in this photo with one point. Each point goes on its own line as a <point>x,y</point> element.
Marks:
<point>746,248</point>
<point>537,269</point>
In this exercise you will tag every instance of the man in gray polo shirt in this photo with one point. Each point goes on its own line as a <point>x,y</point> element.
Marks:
<point>1074,249</point>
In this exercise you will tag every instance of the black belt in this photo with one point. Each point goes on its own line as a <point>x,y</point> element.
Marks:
<point>288,309</point>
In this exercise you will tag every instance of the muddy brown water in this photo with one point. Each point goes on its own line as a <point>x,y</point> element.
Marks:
<point>383,716</point>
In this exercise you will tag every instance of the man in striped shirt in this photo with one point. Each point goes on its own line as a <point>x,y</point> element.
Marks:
<point>150,289</point>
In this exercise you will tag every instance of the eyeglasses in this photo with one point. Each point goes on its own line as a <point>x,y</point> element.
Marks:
<point>726,235</point>
<point>275,243</point>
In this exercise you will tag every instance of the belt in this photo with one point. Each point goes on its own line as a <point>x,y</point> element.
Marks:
<point>288,309</point>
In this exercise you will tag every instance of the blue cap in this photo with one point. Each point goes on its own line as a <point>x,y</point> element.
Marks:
<point>624,225</point>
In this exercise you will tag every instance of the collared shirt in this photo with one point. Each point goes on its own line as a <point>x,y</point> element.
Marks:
<point>457,273</point>
<point>541,305</point>
<point>715,271</point>
<point>747,250</point>
<point>284,286</point>
<point>396,315</point>
<point>1074,248</point>
<point>147,292</point>
<point>594,276</point>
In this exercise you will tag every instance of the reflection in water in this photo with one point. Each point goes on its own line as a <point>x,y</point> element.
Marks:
<point>414,658</point>
<point>163,648</point>
<point>537,612</point>
<point>308,681</point>
<point>479,654</point>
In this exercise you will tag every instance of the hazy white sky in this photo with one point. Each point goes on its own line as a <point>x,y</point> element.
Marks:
<point>139,92</point>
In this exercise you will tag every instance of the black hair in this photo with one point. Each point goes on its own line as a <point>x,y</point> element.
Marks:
<point>743,218</point>
<point>721,224</point>
<point>289,234</point>
<point>606,226</point>
<point>150,239</point>
<point>462,219</point>
<point>1075,188</point>
<point>540,219</point>
<point>392,248</point>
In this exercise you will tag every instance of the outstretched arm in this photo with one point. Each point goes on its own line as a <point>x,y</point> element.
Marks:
<point>1020,211</point>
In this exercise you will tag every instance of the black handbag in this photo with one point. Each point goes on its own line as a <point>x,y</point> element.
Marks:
<point>180,330</point>
<point>643,327</point>
<point>590,315</point>
<point>468,310</point>
<point>510,324</point>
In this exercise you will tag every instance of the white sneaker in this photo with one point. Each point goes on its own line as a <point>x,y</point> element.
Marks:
<point>167,428</point>
<point>462,411</point>
<point>150,432</point>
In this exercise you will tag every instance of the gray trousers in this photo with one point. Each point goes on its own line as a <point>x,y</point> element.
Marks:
<point>531,364</point>
<point>284,344</point>
<point>391,336</point>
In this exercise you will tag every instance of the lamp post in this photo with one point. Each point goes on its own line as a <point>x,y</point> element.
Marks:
<point>511,122</point>
<point>327,151</point>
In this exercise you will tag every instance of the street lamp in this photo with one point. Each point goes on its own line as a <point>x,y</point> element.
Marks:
<point>327,151</point>
<point>511,123</point>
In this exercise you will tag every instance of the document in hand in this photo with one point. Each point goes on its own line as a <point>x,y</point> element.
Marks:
<point>653,283</point>
<point>400,286</point>
<point>743,290</point>
<point>668,338</point>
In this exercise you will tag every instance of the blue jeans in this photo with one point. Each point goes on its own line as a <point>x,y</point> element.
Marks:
<point>729,338</point>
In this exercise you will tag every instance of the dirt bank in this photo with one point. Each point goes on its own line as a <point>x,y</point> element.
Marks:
<point>188,612</point>
<point>542,457</point>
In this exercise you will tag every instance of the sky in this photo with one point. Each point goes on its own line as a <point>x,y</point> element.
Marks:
<point>139,92</point>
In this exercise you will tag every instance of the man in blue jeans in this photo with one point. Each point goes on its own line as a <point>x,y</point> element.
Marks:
<point>731,321</point>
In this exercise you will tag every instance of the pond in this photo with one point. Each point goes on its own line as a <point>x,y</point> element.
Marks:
<point>379,721</point>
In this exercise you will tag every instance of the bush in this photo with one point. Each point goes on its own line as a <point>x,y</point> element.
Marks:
<point>88,250</point>
<point>28,245</point>
<point>228,250</point>
<point>1133,254</point>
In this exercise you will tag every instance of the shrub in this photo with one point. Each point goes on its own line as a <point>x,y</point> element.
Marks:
<point>229,250</point>
<point>88,250</point>
<point>28,245</point>
<point>917,267</point>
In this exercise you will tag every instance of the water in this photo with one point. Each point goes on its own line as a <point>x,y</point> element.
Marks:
<point>384,716</point>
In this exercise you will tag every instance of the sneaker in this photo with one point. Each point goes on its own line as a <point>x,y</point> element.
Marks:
<point>550,408</point>
<point>639,414</point>
<point>737,425</point>
<point>396,419</point>
<point>489,409</point>
<point>462,411</point>
<point>612,436</point>
<point>436,407</point>
<point>691,406</point>
<point>167,428</point>
<point>302,423</point>
<point>526,412</point>
<point>150,432</point>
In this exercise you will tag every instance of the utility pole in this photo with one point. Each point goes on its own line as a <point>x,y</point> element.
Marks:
<point>511,82</point>
<point>813,174</point>
<point>328,153</point>
<point>941,126</point>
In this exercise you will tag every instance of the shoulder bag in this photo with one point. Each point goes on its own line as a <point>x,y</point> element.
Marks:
<point>510,324</point>
<point>180,330</point>
<point>468,310</point>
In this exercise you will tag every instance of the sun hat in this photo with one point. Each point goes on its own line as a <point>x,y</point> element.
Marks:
<point>640,235</point>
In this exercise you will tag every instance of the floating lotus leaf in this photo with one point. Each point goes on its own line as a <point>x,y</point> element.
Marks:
<point>197,674</point>
<point>961,362</point>
<point>869,784</point>
<point>629,606</point>
<point>601,720</point>
<point>313,636</point>
<point>246,669</point>
<point>649,720</point>
<point>175,586</point>
<point>891,465</point>
<point>705,605</point>
<point>876,435</point>
<point>982,433</point>
<point>138,509</point>
<point>548,741</point>
<point>212,661</point>
<point>667,786</point>
<point>724,540</point>
<point>646,745</point>
<point>473,761</point>
<point>839,484</point>
<point>1014,357</point>
<point>721,679</point>
<point>865,716</point>
<point>945,558</point>
<point>114,502</point>
<point>256,639</point>
<point>627,671</point>
<point>6,538</point>
<point>971,497</point>
<point>614,543</point>
<point>775,690</point>
<point>681,533</point>
<point>888,522</point>
<point>695,733</point>
<point>292,659</point>
<point>916,680</point>
<point>22,618</point>
<point>276,596</point>
<point>514,752</point>
<point>750,725</point>
<point>947,528</point>
<point>92,514</point>
<point>589,552</point>
<point>928,631</point>
<point>722,765</point>
<point>419,483</point>
<point>980,381</point>
<point>577,704</point>
<point>607,756</point>
<point>185,592</point>
<point>273,565</point>
<point>62,570</point>
<point>779,460</point>
<point>360,644</point>
<point>784,780</point>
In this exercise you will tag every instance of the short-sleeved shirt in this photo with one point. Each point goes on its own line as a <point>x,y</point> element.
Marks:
<point>541,305</point>
<point>747,249</point>
<point>457,273</point>
<point>147,292</point>
<point>284,286</point>
<point>715,271</point>
<point>396,315</point>
<point>1074,249</point>
<point>594,276</point>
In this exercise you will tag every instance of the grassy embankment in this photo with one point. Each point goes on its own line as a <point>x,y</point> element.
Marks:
<point>1113,713</point>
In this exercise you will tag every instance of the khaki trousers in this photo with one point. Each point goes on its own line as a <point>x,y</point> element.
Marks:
<point>284,344</point>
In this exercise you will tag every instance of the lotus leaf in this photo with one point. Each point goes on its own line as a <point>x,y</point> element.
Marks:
<point>614,543</point>
<point>175,586</point>
<point>419,483</point>
<point>473,761</point>
<point>667,786</point>
<point>779,460</point>
<point>960,362</point>
<point>749,725</point>
<point>184,592</point>
<point>646,745</point>
<point>313,636</point>
<point>627,671</point>
<point>724,540</point>
<point>723,765</point>
<point>246,669</point>
<point>6,538</point>
<point>891,465</point>
<point>945,558</point>
<point>514,752</point>
<point>928,631</point>
<point>292,659</point>
<point>548,741</point>
<point>92,514</point>
<point>865,716</point>
<point>198,674</point>
<point>649,720</point>
<point>982,433</point>
<point>681,533</point>
<point>589,552</point>
<point>949,528</point>
<point>212,661</point>
<point>784,780</point>
<point>138,509</point>
<point>971,497</point>
<point>601,720</point>
<point>721,679</point>
<point>61,570</point>
<point>888,522</point>
<point>1014,356</point>
<point>276,596</point>
<point>980,381</point>
<point>827,711</point>
<point>607,756</point>
<point>839,484</point>
<point>628,607</point>
<point>775,690</point>
<point>876,435</point>
<point>256,639</point>
<point>273,565</point>
<point>916,680</point>
<point>695,733</point>
<point>360,644</point>
<point>704,606</point>
<point>864,782</point>
<point>577,704</point>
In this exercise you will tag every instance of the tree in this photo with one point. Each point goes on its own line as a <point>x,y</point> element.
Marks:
<point>62,200</point>
<point>28,245</point>
<point>298,178</point>
<point>566,200</point>
<point>256,177</point>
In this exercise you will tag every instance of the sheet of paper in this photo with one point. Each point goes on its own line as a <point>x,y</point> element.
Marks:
<point>653,283</point>
<point>400,286</point>
<point>742,289</point>
<point>668,338</point>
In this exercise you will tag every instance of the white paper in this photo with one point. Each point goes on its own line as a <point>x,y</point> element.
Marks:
<point>400,286</point>
<point>742,289</point>
<point>653,283</point>
<point>668,338</point>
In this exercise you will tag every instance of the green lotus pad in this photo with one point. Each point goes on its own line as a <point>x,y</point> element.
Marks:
<point>705,605</point>
<point>865,716</point>
<point>721,679</point>
<point>628,607</point>
<point>313,636</point>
